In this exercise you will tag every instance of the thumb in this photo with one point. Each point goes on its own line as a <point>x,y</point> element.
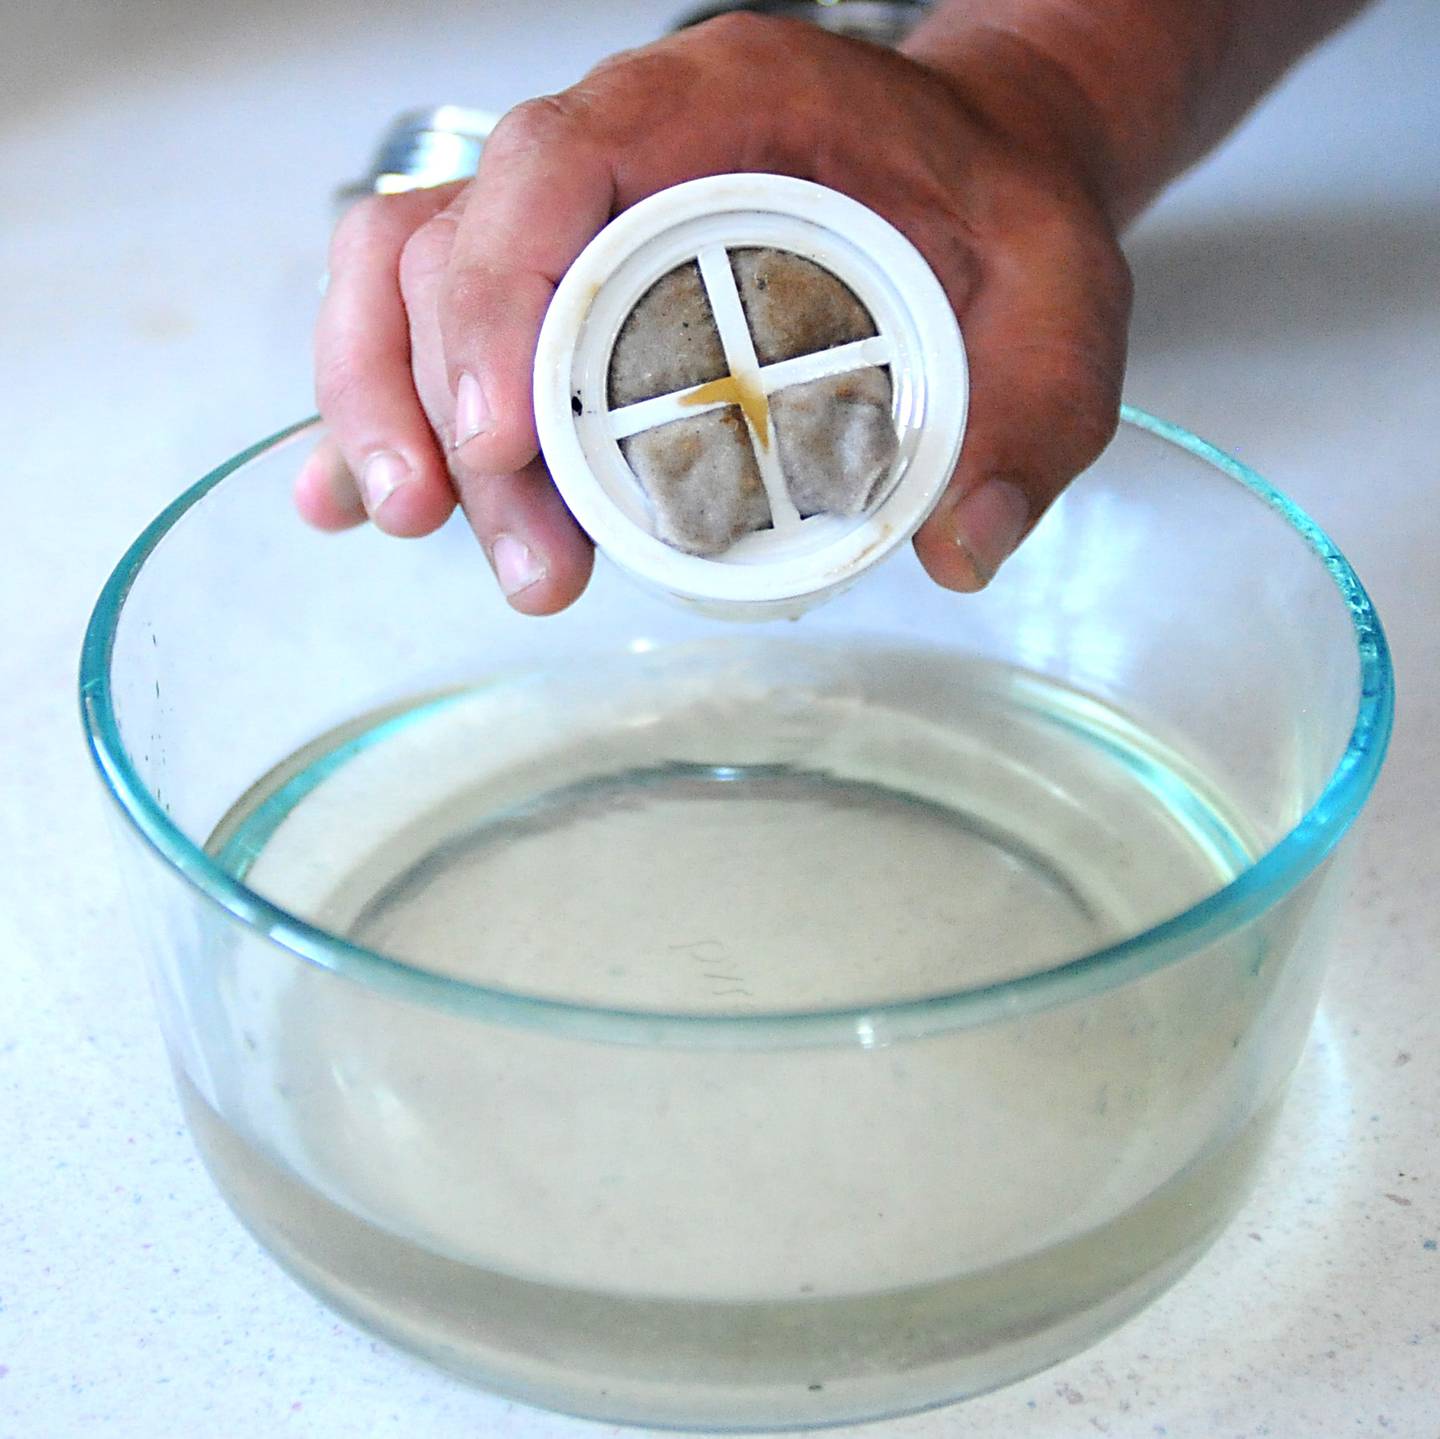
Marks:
<point>1046,334</point>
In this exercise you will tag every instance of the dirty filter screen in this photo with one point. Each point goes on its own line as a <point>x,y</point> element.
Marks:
<point>756,453</point>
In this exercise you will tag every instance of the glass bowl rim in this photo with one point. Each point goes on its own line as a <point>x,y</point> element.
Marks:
<point>1262,884</point>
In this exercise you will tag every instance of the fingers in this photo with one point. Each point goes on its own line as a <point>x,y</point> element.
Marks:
<point>1046,337</point>
<point>541,558</point>
<point>477,293</point>
<point>426,343</point>
<point>363,375</point>
<point>543,191</point>
<point>552,174</point>
<point>547,185</point>
<point>325,491</point>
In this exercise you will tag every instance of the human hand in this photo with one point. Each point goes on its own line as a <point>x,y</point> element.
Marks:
<point>426,339</point>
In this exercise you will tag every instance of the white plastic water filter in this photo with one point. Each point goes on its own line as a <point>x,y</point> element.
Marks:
<point>798,562</point>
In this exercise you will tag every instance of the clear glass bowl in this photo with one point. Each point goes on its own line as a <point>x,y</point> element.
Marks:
<point>739,1026</point>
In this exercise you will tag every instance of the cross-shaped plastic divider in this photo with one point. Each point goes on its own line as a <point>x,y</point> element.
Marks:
<point>749,384</point>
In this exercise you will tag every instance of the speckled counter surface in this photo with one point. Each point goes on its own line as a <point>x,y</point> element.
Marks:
<point>165,173</point>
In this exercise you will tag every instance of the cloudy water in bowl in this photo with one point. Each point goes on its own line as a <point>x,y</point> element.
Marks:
<point>739,827</point>
<point>637,1224</point>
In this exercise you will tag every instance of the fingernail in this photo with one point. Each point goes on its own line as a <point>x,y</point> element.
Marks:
<point>472,413</point>
<point>382,474</point>
<point>989,522</point>
<point>515,564</point>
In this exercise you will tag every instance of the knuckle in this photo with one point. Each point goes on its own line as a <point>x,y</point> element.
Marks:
<point>362,228</point>
<point>545,120</point>
<point>425,253</point>
<point>375,227</point>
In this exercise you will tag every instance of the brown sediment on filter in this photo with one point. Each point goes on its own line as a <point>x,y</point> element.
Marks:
<point>836,441</point>
<point>668,343</point>
<point>702,480</point>
<point>705,475</point>
<point>794,307</point>
<point>850,564</point>
<point>737,390</point>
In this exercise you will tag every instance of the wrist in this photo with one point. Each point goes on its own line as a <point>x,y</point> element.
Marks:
<point>1110,90</point>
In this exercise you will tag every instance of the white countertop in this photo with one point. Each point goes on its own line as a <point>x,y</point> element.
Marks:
<point>165,172</point>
